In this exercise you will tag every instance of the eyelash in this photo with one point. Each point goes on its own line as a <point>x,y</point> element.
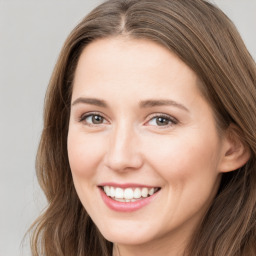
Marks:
<point>91,114</point>
<point>171,120</point>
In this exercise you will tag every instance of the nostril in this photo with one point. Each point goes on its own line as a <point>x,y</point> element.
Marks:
<point>123,162</point>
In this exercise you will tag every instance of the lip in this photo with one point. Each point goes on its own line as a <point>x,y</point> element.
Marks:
<point>125,206</point>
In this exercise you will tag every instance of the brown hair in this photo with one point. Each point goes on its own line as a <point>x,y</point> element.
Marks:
<point>207,41</point>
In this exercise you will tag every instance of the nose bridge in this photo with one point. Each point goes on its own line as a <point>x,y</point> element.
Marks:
<point>123,152</point>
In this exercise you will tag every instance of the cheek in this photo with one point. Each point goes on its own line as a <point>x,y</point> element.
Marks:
<point>189,169</point>
<point>84,154</point>
<point>184,158</point>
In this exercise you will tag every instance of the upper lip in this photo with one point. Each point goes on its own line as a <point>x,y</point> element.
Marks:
<point>126,185</point>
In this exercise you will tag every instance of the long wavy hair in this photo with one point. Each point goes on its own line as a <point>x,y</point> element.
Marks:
<point>204,38</point>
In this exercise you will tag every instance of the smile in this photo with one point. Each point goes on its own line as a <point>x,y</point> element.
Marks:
<point>128,194</point>
<point>128,198</point>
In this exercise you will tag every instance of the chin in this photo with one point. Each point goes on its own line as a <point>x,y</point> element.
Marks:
<point>135,236</point>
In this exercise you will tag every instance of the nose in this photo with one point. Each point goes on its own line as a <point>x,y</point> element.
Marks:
<point>123,153</point>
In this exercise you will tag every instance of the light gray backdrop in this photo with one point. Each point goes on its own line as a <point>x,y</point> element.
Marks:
<point>31,36</point>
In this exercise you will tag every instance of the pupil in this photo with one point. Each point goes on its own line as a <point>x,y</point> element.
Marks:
<point>162,121</point>
<point>97,119</point>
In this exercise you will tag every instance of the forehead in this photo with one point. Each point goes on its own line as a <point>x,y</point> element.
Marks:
<point>123,62</point>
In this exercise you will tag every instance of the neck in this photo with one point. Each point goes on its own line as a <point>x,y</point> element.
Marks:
<point>116,250</point>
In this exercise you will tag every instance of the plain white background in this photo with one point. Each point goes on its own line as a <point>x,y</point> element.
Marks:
<point>31,36</point>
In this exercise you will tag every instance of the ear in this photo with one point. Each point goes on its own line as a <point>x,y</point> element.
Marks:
<point>235,153</point>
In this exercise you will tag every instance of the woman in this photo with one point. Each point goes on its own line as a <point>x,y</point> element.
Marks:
<point>148,145</point>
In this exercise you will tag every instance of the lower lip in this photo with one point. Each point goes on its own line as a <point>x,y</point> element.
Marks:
<point>126,207</point>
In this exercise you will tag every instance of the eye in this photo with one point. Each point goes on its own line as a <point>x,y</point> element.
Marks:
<point>162,120</point>
<point>93,119</point>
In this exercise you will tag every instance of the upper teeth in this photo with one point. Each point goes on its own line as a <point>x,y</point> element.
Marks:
<point>128,193</point>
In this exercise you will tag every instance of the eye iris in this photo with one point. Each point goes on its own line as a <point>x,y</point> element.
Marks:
<point>97,119</point>
<point>162,121</point>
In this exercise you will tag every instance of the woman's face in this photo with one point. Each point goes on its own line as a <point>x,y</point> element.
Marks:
<point>141,130</point>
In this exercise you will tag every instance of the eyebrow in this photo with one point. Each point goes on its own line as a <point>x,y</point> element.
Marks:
<point>142,104</point>
<point>161,102</point>
<point>91,101</point>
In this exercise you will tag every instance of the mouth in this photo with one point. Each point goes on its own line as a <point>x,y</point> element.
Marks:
<point>129,194</point>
